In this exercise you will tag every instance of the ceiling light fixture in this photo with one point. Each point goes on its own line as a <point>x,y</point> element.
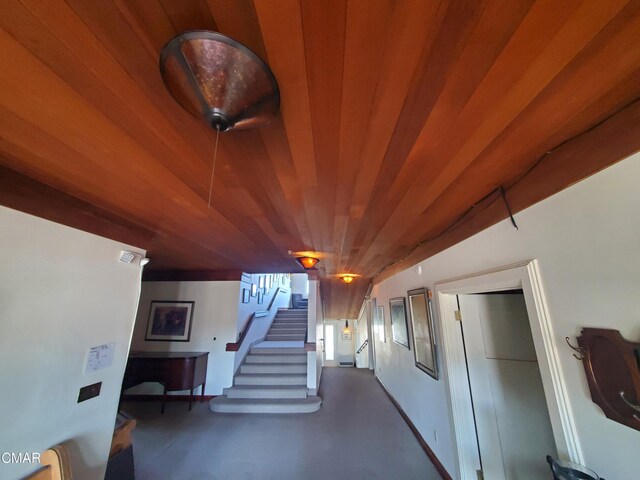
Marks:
<point>347,278</point>
<point>307,262</point>
<point>219,80</point>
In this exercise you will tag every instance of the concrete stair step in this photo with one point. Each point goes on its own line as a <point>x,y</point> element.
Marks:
<point>270,379</point>
<point>274,358</point>
<point>266,391</point>
<point>224,404</point>
<point>277,351</point>
<point>284,330</point>
<point>285,338</point>
<point>274,368</point>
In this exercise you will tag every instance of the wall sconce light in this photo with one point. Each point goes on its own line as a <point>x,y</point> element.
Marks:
<point>307,262</point>
<point>347,278</point>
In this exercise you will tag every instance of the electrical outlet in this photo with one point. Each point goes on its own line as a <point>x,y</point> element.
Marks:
<point>89,391</point>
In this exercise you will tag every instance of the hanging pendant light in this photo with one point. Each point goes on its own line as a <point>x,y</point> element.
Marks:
<point>218,79</point>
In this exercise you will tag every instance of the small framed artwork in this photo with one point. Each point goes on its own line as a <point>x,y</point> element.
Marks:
<point>424,345</point>
<point>398,316</point>
<point>261,281</point>
<point>382,334</point>
<point>254,289</point>
<point>245,295</point>
<point>169,321</point>
<point>260,297</point>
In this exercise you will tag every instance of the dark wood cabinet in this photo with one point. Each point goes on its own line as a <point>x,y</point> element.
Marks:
<point>174,370</point>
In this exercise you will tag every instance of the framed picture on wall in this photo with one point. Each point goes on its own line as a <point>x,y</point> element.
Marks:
<point>245,295</point>
<point>254,289</point>
<point>260,297</point>
<point>382,334</point>
<point>261,281</point>
<point>398,316</point>
<point>169,321</point>
<point>424,345</point>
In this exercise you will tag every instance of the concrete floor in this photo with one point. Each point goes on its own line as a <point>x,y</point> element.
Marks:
<point>357,434</point>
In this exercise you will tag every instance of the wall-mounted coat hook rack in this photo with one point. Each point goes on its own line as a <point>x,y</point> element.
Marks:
<point>612,366</point>
<point>578,350</point>
<point>624,399</point>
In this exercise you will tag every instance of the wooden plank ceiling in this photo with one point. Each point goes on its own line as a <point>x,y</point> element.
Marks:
<point>396,118</point>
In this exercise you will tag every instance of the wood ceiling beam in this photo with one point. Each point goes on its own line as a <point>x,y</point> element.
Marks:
<point>20,192</point>
<point>615,139</point>
<point>481,122</point>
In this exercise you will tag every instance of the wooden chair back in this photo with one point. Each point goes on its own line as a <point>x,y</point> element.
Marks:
<point>55,465</point>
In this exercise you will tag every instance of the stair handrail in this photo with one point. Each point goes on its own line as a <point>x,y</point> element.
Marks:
<point>364,344</point>
<point>234,347</point>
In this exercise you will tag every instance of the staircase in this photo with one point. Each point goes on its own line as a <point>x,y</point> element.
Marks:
<point>290,325</point>
<point>273,377</point>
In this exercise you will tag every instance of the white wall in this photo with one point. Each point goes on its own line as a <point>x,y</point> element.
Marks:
<point>361,334</point>
<point>246,309</point>
<point>587,242</point>
<point>300,284</point>
<point>314,333</point>
<point>260,326</point>
<point>62,292</point>
<point>346,347</point>
<point>218,313</point>
<point>215,315</point>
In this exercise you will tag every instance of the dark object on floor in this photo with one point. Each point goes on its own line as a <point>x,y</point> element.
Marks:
<point>120,466</point>
<point>568,471</point>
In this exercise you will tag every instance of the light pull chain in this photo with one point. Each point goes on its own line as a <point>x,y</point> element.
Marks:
<point>213,167</point>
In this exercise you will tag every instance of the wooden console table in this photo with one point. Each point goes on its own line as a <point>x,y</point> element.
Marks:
<point>174,370</point>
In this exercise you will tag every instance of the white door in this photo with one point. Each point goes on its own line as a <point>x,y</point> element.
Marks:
<point>512,420</point>
<point>330,344</point>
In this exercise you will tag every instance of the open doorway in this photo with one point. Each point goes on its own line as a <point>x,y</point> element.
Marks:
<point>513,428</point>
<point>535,325</point>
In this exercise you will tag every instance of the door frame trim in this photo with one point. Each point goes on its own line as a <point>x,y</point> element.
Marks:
<point>524,275</point>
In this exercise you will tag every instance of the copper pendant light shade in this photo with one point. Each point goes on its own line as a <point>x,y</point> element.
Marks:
<point>347,278</point>
<point>219,80</point>
<point>307,262</point>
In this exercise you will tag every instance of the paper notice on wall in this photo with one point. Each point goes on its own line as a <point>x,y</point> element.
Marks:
<point>100,357</point>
